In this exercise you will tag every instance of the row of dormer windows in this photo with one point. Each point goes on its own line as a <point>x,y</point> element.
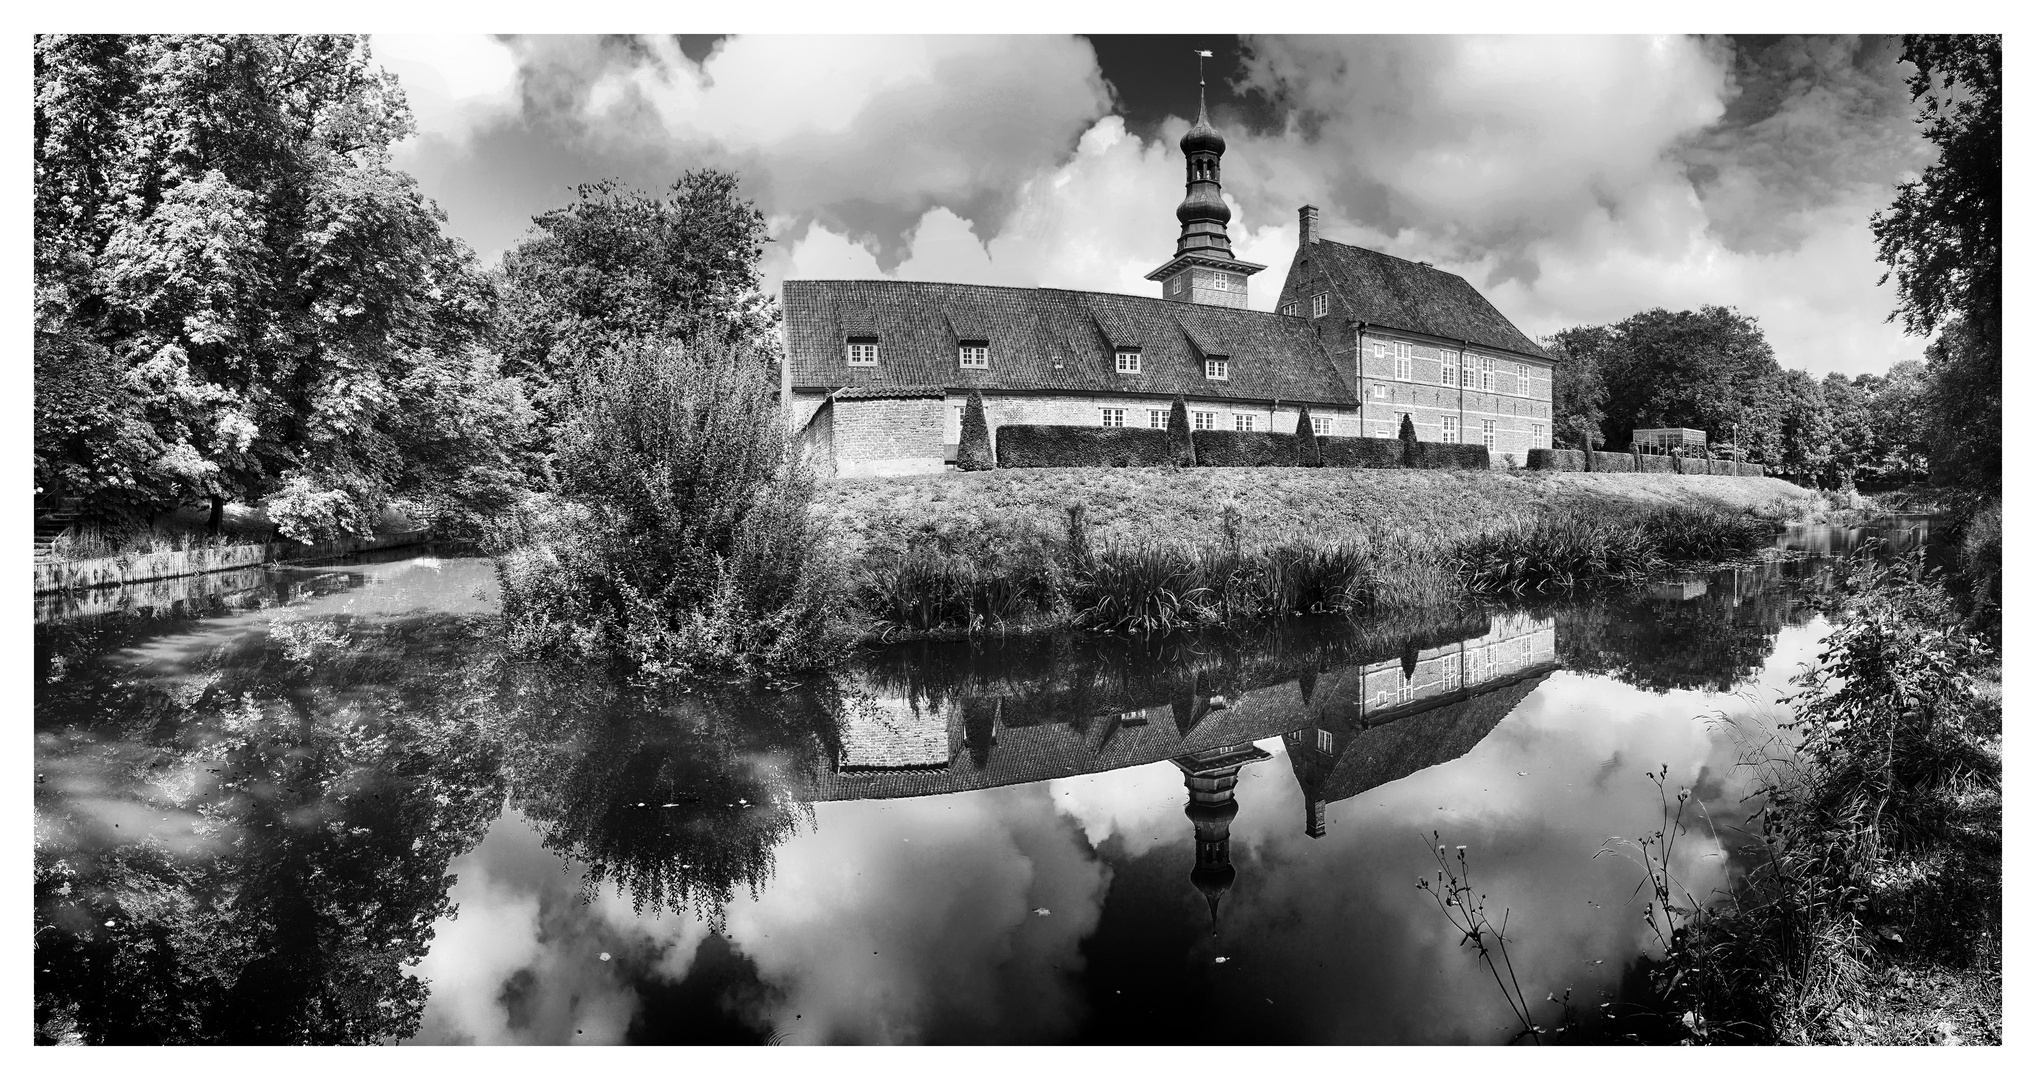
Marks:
<point>862,352</point>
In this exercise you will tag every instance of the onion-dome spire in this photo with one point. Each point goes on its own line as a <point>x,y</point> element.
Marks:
<point>1202,136</point>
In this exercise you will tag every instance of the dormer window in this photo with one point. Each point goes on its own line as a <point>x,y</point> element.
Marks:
<point>1216,369</point>
<point>1291,307</point>
<point>1220,281</point>
<point>975,354</point>
<point>1127,361</point>
<point>1319,306</point>
<point>862,352</point>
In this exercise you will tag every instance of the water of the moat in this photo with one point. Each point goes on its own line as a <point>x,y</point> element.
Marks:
<point>306,805</point>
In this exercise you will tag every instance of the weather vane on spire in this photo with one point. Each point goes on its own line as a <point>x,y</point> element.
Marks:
<point>1201,55</point>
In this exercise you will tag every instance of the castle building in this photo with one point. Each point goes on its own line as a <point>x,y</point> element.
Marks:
<point>876,372</point>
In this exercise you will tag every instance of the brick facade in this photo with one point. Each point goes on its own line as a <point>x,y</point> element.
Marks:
<point>887,436</point>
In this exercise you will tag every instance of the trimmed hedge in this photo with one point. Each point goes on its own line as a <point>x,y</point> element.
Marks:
<point>1555,460</point>
<point>1602,461</point>
<point>1656,463</point>
<point>1062,446</point>
<point>1445,455</point>
<point>1245,449</point>
<point>1693,466</point>
<point>1359,452</point>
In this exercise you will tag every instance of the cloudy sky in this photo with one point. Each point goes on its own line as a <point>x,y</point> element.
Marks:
<point>1572,180</point>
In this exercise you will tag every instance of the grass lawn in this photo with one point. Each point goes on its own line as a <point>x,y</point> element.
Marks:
<point>979,513</point>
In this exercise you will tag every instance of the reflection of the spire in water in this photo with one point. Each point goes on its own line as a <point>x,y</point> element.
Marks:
<point>1334,701</point>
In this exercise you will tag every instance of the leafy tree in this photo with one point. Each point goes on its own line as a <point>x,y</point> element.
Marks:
<point>1899,414</point>
<point>1579,408</point>
<point>973,454</point>
<point>1942,243</point>
<point>1309,448</point>
<point>619,264</point>
<point>1806,430</point>
<point>1710,369</point>
<point>218,213</point>
<point>1846,401</point>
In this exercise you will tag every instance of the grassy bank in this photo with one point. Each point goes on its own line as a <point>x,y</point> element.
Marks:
<point>1142,549</point>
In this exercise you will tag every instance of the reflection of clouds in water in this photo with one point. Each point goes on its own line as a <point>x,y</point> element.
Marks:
<point>519,961</point>
<point>1141,806</point>
<point>914,920</point>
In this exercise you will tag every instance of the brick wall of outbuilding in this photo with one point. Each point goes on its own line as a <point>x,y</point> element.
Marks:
<point>888,436</point>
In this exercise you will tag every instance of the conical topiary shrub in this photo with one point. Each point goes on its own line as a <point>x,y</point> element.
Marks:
<point>1410,446</point>
<point>1180,442</point>
<point>1307,451</point>
<point>973,454</point>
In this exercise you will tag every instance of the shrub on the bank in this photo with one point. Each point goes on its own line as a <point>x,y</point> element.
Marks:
<point>972,454</point>
<point>1245,449</point>
<point>1434,455</point>
<point>1048,446</point>
<point>1556,460</point>
<point>1360,452</point>
<point>1410,444</point>
<point>1604,461</point>
<point>1307,452</point>
<point>1179,440</point>
<point>681,541</point>
<point>1572,548</point>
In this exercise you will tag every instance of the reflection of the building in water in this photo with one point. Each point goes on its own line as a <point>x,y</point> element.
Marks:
<point>891,745</point>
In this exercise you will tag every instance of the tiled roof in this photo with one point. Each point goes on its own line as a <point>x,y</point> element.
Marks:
<point>1391,291</point>
<point>921,323</point>
<point>876,393</point>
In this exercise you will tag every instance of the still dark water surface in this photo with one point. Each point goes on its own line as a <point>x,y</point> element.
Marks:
<point>314,807</point>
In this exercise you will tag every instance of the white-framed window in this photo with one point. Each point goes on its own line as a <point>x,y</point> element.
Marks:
<point>1180,284</point>
<point>1204,421</point>
<point>1448,370</point>
<point>1450,430</point>
<point>1216,369</point>
<point>1323,425</point>
<point>1127,361</point>
<point>862,352</point>
<point>1406,692</point>
<point>1291,307</point>
<point>1491,433</point>
<point>1219,281</point>
<point>1325,741</point>
<point>1540,436</point>
<point>1403,368</point>
<point>956,428</point>
<point>1491,380</point>
<point>1113,417</point>
<point>1378,391</point>
<point>1378,350</point>
<point>1520,376</point>
<point>1382,700</point>
<point>1452,676</point>
<point>1319,306</point>
<point>1403,350</point>
<point>1244,421</point>
<point>1155,418</point>
<point>975,354</point>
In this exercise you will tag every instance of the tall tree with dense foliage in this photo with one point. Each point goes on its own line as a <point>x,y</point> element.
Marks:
<point>1710,369</point>
<point>1942,243</point>
<point>619,265</point>
<point>973,453</point>
<point>218,214</point>
<point>1579,406</point>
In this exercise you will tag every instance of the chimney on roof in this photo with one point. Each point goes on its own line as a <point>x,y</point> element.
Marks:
<point>1311,225</point>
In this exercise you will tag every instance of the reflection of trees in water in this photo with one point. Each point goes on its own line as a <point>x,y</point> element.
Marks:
<point>1709,633</point>
<point>677,800</point>
<point>332,771</point>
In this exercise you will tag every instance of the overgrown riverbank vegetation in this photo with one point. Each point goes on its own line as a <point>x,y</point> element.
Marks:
<point>1866,906</point>
<point>1161,559</point>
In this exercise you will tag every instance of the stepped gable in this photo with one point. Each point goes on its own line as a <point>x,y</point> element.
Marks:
<point>920,325</point>
<point>1403,295</point>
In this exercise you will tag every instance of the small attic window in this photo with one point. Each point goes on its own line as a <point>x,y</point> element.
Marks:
<point>975,354</point>
<point>1216,368</point>
<point>1319,306</point>
<point>862,352</point>
<point>1127,361</point>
